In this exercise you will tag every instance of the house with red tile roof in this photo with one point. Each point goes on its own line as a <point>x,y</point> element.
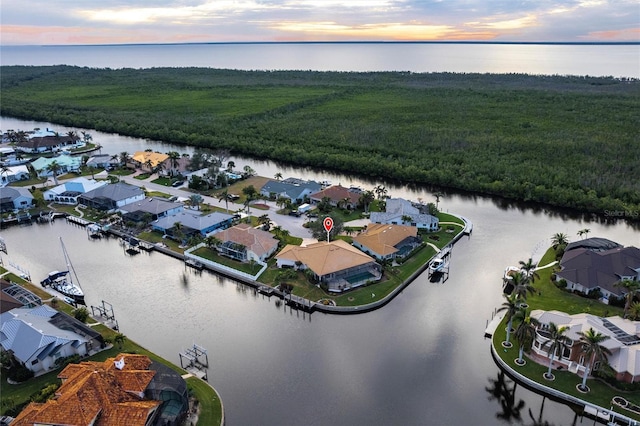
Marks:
<point>255,244</point>
<point>337,194</point>
<point>110,393</point>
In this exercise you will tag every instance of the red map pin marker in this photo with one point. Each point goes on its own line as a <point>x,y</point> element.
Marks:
<point>328,224</point>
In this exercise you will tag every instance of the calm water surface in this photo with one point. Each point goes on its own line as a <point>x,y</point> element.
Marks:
<point>420,360</point>
<point>549,59</point>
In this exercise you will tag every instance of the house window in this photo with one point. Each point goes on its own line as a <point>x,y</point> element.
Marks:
<point>34,362</point>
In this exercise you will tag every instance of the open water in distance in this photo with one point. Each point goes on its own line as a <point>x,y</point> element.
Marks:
<point>420,360</point>
<point>617,60</point>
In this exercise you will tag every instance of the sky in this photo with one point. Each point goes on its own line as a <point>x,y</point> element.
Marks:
<point>45,22</point>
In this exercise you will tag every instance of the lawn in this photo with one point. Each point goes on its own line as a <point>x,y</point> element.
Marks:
<point>207,253</point>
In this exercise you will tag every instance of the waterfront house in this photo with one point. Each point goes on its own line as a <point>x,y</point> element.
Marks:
<point>14,174</point>
<point>295,190</point>
<point>191,223</point>
<point>15,198</point>
<point>623,342</point>
<point>586,269</point>
<point>43,143</point>
<point>403,212</point>
<point>384,241</point>
<point>69,191</point>
<point>103,161</point>
<point>112,196</point>
<point>151,207</point>
<point>338,195</point>
<point>128,389</point>
<point>67,164</point>
<point>148,161</point>
<point>245,243</point>
<point>337,264</point>
<point>38,336</point>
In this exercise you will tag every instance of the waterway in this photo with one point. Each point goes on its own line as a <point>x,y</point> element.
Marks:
<point>420,360</point>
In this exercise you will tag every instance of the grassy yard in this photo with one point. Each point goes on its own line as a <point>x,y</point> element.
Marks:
<point>16,395</point>
<point>207,253</point>
<point>549,297</point>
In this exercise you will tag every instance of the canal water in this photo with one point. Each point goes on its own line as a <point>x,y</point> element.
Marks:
<point>420,360</point>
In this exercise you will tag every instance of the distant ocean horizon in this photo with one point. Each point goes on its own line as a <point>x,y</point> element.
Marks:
<point>614,59</point>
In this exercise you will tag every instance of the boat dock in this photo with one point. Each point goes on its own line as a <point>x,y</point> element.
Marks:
<point>496,319</point>
<point>194,264</point>
<point>78,220</point>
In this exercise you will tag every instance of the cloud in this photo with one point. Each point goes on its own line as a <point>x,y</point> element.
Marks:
<point>112,21</point>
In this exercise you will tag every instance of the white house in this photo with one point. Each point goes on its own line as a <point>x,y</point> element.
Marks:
<point>68,192</point>
<point>13,174</point>
<point>402,212</point>
<point>39,336</point>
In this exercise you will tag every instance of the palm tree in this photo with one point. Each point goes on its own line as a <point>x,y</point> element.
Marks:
<point>529,268</point>
<point>559,239</point>
<point>195,200</point>
<point>556,343</point>
<point>521,286</point>
<point>366,198</point>
<point>177,230</point>
<point>4,171</point>
<point>174,156</point>
<point>265,221</point>
<point>591,348</point>
<point>344,203</point>
<point>525,332</point>
<point>54,167</point>
<point>124,157</point>
<point>86,137</point>
<point>230,166</point>
<point>212,241</point>
<point>438,195</point>
<point>119,338</point>
<point>278,176</point>
<point>149,165</point>
<point>226,197</point>
<point>511,308</point>
<point>248,171</point>
<point>631,287</point>
<point>583,232</point>
<point>634,312</point>
<point>381,192</point>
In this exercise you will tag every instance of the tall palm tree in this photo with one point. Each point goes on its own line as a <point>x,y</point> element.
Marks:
<point>226,197</point>
<point>230,166</point>
<point>525,332</point>
<point>265,221</point>
<point>631,287</point>
<point>195,200</point>
<point>591,348</point>
<point>583,232</point>
<point>381,192</point>
<point>511,308</point>
<point>366,198</point>
<point>124,157</point>
<point>278,176</point>
<point>557,343</point>
<point>212,241</point>
<point>521,286</point>
<point>174,156</point>
<point>634,312</point>
<point>438,195</point>
<point>54,167</point>
<point>559,239</point>
<point>529,268</point>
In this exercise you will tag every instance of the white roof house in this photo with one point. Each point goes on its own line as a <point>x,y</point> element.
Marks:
<point>399,209</point>
<point>13,174</point>
<point>68,192</point>
<point>623,341</point>
<point>39,336</point>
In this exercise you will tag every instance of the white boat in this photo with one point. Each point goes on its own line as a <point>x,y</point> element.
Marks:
<point>436,265</point>
<point>507,278</point>
<point>94,230</point>
<point>62,281</point>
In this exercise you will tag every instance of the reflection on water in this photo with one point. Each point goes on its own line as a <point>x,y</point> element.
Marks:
<point>421,359</point>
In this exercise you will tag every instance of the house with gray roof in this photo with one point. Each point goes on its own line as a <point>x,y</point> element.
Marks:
<point>15,198</point>
<point>594,244</point>
<point>112,197</point>
<point>69,191</point>
<point>153,207</point>
<point>192,222</point>
<point>293,189</point>
<point>102,161</point>
<point>39,336</point>
<point>585,270</point>
<point>399,211</point>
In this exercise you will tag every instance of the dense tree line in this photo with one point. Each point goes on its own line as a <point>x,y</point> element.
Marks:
<point>559,140</point>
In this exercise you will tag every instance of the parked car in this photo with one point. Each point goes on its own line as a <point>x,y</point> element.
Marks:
<point>177,183</point>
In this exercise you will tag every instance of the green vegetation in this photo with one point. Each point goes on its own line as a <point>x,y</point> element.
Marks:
<point>563,141</point>
<point>16,396</point>
<point>549,297</point>
<point>212,255</point>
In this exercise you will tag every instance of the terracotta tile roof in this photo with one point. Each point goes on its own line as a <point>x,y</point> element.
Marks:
<point>336,194</point>
<point>258,241</point>
<point>155,157</point>
<point>325,258</point>
<point>382,238</point>
<point>101,393</point>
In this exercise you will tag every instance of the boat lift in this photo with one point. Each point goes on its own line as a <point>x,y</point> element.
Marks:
<point>196,361</point>
<point>105,312</point>
<point>439,266</point>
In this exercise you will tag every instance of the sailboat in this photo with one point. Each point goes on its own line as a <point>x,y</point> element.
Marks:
<point>62,281</point>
